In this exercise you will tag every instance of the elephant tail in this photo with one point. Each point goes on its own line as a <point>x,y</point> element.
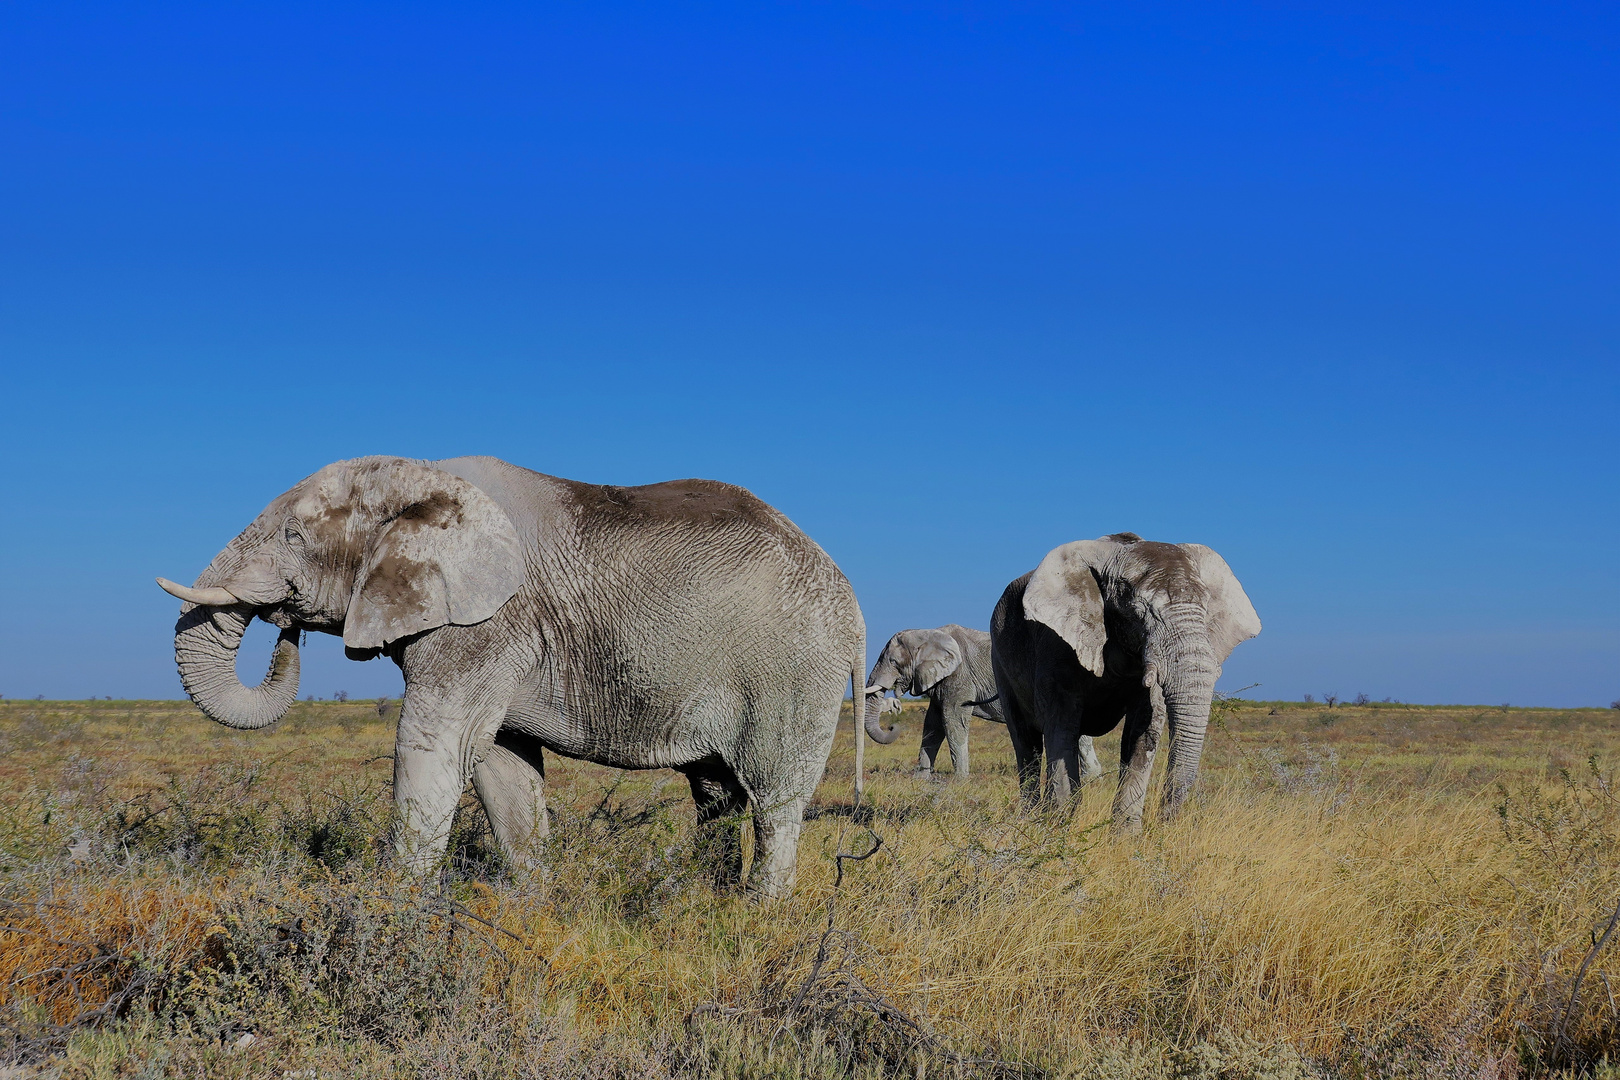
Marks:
<point>982,708</point>
<point>857,713</point>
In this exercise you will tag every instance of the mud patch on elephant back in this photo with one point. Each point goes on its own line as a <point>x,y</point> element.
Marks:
<point>706,504</point>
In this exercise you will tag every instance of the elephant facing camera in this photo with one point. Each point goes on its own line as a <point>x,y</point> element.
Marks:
<point>1113,630</point>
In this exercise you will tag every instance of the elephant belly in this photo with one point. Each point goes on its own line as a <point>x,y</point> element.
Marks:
<point>622,737</point>
<point>1105,706</point>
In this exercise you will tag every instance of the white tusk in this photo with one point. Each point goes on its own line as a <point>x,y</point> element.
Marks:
<point>214,597</point>
<point>876,689</point>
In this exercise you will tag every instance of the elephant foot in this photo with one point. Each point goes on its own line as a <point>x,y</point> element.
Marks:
<point>776,845</point>
<point>1126,827</point>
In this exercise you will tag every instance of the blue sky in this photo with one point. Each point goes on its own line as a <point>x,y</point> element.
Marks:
<point>1332,289</point>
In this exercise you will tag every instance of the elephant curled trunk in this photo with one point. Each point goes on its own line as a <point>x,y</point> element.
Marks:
<point>206,640</point>
<point>874,725</point>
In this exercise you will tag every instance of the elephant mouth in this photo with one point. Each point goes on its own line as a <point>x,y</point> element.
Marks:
<point>281,618</point>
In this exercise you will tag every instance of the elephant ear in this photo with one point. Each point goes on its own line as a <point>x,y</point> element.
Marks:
<point>1232,619</point>
<point>934,656</point>
<point>447,554</point>
<point>1063,594</point>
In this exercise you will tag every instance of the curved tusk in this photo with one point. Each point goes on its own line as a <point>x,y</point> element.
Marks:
<point>214,597</point>
<point>876,689</point>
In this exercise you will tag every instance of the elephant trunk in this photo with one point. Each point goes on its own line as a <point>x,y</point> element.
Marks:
<point>1187,674</point>
<point>874,726</point>
<point>206,640</point>
<point>205,645</point>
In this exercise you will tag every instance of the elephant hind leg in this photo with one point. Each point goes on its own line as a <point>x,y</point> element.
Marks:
<point>1090,765</point>
<point>956,734</point>
<point>721,801</point>
<point>776,845</point>
<point>510,782</point>
<point>780,764</point>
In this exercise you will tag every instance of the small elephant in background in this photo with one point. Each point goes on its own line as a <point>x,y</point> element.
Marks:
<point>950,665</point>
<point>1111,629</point>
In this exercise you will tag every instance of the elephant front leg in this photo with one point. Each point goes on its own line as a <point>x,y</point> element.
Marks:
<point>510,782</point>
<point>933,736</point>
<point>440,736</point>
<point>1026,751</point>
<point>956,734</point>
<point>1144,726</point>
<point>1062,764</point>
<point>1063,713</point>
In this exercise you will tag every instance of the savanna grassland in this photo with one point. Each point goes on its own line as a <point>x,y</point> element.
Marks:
<point>1363,891</point>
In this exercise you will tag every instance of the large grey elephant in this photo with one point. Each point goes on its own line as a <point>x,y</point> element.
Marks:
<point>1111,629</point>
<point>682,625</point>
<point>950,665</point>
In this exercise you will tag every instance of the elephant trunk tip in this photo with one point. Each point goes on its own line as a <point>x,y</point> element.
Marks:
<point>883,736</point>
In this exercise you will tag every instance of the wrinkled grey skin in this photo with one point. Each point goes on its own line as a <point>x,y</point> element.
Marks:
<point>682,625</point>
<point>950,666</point>
<point>1111,629</point>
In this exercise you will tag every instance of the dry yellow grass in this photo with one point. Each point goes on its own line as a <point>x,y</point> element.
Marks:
<point>1379,889</point>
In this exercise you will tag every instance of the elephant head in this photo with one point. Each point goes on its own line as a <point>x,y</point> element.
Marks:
<point>375,549</point>
<point>1172,612</point>
<point>913,662</point>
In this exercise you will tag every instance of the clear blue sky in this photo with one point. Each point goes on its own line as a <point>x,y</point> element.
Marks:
<point>1332,289</point>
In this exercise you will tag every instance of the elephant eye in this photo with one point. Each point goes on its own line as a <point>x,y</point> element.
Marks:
<point>292,535</point>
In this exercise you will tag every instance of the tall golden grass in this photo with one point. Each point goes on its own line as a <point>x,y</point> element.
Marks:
<point>1339,891</point>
